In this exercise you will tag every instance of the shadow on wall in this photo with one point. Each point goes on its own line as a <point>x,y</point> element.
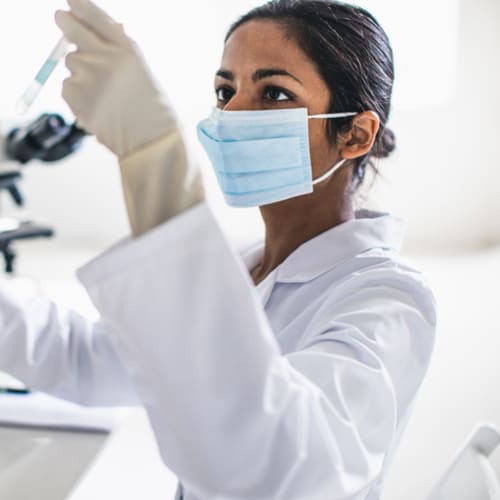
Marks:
<point>445,177</point>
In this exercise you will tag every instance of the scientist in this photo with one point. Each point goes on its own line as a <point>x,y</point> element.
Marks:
<point>288,372</point>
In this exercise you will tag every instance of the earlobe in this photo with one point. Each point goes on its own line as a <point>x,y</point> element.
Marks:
<point>365,127</point>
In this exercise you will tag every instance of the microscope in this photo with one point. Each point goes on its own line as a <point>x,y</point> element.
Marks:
<point>48,139</point>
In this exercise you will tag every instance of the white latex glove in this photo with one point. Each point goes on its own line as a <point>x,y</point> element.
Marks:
<point>111,90</point>
<point>159,182</point>
<point>114,96</point>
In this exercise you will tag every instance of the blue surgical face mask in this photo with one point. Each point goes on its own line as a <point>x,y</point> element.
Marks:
<point>261,157</point>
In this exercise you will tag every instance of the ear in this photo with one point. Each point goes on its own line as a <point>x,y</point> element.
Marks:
<point>359,140</point>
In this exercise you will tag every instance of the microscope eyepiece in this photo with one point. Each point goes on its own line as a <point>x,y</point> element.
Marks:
<point>49,138</point>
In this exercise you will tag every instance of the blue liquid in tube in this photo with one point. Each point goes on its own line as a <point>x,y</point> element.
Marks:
<point>30,94</point>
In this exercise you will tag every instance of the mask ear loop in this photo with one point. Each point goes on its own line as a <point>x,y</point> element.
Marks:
<point>329,172</point>
<point>334,115</point>
<point>337,165</point>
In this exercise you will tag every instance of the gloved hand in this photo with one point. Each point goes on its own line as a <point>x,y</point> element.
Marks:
<point>114,96</point>
<point>111,90</point>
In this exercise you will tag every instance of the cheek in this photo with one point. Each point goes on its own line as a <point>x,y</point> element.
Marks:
<point>322,152</point>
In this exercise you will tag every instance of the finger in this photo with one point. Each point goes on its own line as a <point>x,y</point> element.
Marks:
<point>71,62</point>
<point>98,20</point>
<point>69,90</point>
<point>72,94</point>
<point>77,60</point>
<point>77,33</point>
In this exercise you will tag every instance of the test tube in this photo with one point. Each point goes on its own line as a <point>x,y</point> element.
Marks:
<point>30,94</point>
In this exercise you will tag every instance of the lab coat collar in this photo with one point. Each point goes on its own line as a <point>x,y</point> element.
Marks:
<point>368,230</point>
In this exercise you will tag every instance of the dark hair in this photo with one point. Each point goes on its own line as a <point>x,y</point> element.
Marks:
<point>353,55</point>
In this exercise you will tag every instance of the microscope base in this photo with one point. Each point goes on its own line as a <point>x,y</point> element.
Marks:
<point>26,230</point>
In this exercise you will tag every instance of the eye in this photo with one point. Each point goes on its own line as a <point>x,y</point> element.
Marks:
<point>224,94</point>
<point>278,95</point>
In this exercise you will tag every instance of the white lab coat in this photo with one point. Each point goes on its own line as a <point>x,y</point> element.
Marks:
<point>298,388</point>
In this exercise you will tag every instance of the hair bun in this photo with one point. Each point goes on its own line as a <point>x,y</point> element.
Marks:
<point>386,144</point>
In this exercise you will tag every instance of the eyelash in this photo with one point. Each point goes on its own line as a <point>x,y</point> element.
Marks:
<point>269,88</point>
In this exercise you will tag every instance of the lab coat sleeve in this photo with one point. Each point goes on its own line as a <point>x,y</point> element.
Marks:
<point>159,181</point>
<point>233,417</point>
<point>60,352</point>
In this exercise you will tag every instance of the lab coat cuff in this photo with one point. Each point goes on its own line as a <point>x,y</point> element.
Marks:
<point>167,237</point>
<point>158,144</point>
<point>159,182</point>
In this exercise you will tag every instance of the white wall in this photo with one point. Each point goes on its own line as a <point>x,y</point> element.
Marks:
<point>444,178</point>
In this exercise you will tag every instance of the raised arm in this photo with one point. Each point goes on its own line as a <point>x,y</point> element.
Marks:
<point>233,417</point>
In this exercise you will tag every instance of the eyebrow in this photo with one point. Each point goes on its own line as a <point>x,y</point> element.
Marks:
<point>260,74</point>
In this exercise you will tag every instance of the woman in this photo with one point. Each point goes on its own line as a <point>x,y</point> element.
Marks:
<point>298,387</point>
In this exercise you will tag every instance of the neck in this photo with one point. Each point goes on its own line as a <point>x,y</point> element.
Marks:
<point>292,222</point>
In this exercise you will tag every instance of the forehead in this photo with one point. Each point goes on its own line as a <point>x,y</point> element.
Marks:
<point>264,43</point>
